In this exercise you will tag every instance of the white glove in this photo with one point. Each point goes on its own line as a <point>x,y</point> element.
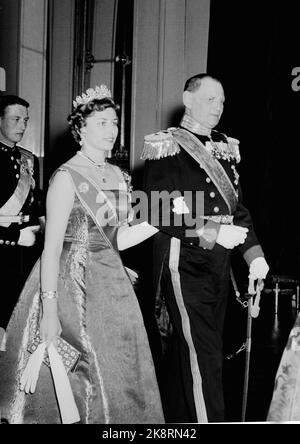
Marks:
<point>27,236</point>
<point>231,235</point>
<point>258,268</point>
<point>31,372</point>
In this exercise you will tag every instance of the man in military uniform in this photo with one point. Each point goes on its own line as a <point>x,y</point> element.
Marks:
<point>193,257</point>
<point>21,212</point>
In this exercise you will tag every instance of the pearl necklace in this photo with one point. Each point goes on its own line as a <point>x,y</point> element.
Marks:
<point>101,166</point>
<point>98,165</point>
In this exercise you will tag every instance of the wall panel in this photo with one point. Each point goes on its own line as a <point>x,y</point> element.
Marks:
<point>9,43</point>
<point>170,44</point>
<point>32,70</point>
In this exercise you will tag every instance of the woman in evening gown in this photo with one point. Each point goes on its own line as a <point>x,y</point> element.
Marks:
<point>80,290</point>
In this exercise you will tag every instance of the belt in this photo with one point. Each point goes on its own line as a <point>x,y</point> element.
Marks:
<point>220,219</point>
<point>14,219</point>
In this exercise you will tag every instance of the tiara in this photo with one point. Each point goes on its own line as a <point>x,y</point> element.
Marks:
<point>100,92</point>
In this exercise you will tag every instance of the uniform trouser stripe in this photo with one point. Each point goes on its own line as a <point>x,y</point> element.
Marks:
<point>197,380</point>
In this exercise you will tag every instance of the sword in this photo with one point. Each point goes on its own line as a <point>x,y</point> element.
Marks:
<point>253,312</point>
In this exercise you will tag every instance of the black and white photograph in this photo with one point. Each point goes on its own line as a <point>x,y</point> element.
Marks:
<point>149,240</point>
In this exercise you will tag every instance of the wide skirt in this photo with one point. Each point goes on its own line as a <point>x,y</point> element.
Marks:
<point>114,381</point>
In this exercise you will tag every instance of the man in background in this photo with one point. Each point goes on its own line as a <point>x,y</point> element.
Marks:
<point>21,207</point>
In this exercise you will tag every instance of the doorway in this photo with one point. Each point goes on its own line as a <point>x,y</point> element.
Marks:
<point>103,54</point>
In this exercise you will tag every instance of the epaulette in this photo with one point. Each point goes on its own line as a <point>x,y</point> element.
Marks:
<point>233,146</point>
<point>160,144</point>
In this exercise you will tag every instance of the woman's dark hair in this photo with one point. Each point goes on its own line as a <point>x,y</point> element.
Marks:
<point>77,119</point>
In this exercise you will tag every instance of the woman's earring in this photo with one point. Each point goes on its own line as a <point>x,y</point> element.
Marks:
<point>108,154</point>
<point>80,142</point>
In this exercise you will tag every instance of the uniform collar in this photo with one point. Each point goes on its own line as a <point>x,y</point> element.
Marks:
<point>9,149</point>
<point>215,136</point>
<point>189,123</point>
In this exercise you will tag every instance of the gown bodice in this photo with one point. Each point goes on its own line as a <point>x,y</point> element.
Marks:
<point>82,228</point>
<point>110,211</point>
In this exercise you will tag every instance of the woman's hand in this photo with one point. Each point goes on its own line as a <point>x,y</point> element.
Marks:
<point>50,326</point>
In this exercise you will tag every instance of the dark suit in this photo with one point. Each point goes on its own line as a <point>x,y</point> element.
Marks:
<point>193,275</point>
<point>17,261</point>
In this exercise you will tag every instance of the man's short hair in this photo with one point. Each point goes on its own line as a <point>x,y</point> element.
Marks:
<point>193,83</point>
<point>7,100</point>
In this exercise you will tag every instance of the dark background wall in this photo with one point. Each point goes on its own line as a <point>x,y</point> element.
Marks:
<point>253,48</point>
<point>9,42</point>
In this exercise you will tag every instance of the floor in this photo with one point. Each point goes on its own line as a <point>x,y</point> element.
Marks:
<point>269,333</point>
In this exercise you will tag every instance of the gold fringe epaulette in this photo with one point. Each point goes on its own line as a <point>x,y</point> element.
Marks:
<point>233,146</point>
<point>158,145</point>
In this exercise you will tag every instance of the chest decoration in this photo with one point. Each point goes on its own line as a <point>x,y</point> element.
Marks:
<point>83,187</point>
<point>26,167</point>
<point>225,151</point>
<point>127,179</point>
<point>236,175</point>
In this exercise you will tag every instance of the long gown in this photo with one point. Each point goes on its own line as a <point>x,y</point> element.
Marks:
<point>114,381</point>
<point>285,403</point>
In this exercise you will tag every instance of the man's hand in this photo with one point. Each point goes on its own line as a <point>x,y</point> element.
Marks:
<point>27,236</point>
<point>258,268</point>
<point>231,235</point>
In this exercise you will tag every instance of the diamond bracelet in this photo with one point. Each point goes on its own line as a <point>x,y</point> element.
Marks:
<point>48,295</point>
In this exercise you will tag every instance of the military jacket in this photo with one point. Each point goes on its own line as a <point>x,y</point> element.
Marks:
<point>33,206</point>
<point>169,167</point>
